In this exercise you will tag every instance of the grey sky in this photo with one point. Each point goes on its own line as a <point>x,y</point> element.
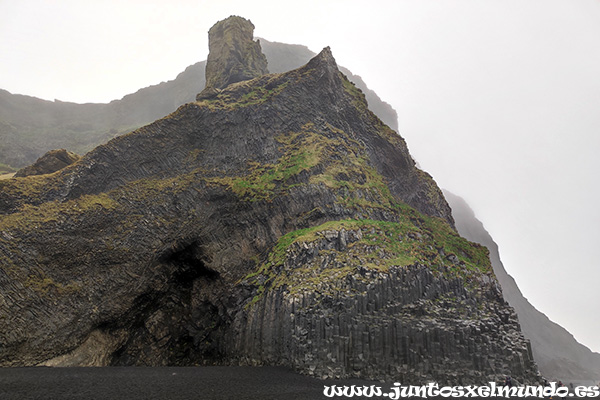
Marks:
<point>498,99</point>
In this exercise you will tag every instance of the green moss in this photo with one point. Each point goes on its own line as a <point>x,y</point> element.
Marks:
<point>30,187</point>
<point>301,152</point>
<point>194,156</point>
<point>342,166</point>
<point>31,217</point>
<point>149,189</point>
<point>413,239</point>
<point>246,93</point>
<point>44,285</point>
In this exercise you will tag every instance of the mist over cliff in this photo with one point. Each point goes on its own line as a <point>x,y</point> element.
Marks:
<point>29,127</point>
<point>557,353</point>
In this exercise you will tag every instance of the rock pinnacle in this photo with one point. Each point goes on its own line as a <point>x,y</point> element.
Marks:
<point>233,56</point>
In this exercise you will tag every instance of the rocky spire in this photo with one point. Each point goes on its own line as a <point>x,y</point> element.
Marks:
<point>233,54</point>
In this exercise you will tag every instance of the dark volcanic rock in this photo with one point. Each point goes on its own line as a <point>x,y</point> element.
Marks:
<point>277,222</point>
<point>233,54</point>
<point>330,315</point>
<point>284,57</point>
<point>50,162</point>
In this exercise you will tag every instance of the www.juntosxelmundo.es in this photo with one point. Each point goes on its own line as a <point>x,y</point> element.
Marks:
<point>432,390</point>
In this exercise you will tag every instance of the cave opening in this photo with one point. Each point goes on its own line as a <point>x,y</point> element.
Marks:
<point>189,262</point>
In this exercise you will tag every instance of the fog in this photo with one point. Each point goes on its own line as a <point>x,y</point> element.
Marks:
<point>498,100</point>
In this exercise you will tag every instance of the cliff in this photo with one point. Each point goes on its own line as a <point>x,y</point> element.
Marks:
<point>285,57</point>
<point>279,222</point>
<point>557,353</point>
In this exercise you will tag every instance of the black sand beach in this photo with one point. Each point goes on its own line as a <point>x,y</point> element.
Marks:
<point>167,383</point>
<point>172,383</point>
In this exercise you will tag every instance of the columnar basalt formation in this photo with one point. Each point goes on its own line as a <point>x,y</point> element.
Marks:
<point>276,222</point>
<point>338,304</point>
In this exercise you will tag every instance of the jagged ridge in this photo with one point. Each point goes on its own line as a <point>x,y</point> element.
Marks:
<point>25,121</point>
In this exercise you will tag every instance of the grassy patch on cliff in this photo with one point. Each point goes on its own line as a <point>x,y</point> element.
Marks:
<point>379,245</point>
<point>44,285</point>
<point>29,187</point>
<point>330,157</point>
<point>246,93</point>
<point>301,151</point>
<point>31,217</point>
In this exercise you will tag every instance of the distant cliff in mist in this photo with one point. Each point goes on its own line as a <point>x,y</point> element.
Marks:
<point>29,127</point>
<point>558,355</point>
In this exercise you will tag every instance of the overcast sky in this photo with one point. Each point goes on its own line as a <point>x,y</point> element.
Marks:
<point>498,99</point>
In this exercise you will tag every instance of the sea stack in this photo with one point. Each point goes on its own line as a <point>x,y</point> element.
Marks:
<point>233,56</point>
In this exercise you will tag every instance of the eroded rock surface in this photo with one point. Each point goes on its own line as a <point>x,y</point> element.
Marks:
<point>277,222</point>
<point>338,303</point>
<point>50,162</point>
<point>233,56</point>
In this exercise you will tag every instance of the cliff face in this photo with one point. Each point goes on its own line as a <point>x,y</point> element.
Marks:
<point>285,57</point>
<point>278,222</point>
<point>557,353</point>
<point>367,298</point>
